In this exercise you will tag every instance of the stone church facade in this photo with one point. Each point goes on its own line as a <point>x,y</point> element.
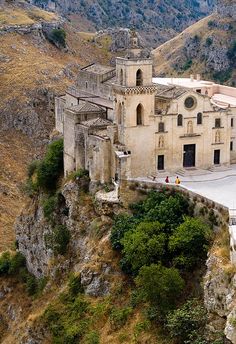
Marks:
<point>121,123</point>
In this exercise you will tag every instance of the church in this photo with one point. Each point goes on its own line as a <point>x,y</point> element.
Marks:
<point>122,123</point>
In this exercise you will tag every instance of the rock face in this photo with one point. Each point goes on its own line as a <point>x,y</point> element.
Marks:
<point>226,8</point>
<point>220,299</point>
<point>158,21</point>
<point>88,246</point>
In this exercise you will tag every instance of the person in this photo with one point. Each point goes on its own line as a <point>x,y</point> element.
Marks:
<point>177,180</point>
<point>167,179</point>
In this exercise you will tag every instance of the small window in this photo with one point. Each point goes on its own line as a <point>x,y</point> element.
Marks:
<point>232,122</point>
<point>139,78</point>
<point>217,123</point>
<point>121,77</point>
<point>199,118</point>
<point>139,115</point>
<point>231,146</point>
<point>161,127</point>
<point>180,120</point>
<point>199,91</point>
<point>86,84</point>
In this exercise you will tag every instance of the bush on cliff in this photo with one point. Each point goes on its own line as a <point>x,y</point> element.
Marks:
<point>51,167</point>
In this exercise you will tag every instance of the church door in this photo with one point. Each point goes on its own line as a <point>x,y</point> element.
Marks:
<point>216,156</point>
<point>189,155</point>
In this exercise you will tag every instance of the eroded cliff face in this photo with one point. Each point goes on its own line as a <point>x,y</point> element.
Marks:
<point>220,290</point>
<point>89,248</point>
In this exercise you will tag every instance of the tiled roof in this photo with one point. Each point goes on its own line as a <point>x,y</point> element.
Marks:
<point>97,122</point>
<point>170,92</point>
<point>85,108</point>
<point>98,69</point>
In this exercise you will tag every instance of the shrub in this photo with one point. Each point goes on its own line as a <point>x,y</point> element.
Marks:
<point>159,285</point>
<point>32,168</point>
<point>5,262</point>
<point>31,285</point>
<point>145,245</point>
<point>122,224</point>
<point>189,243</point>
<point>209,41</point>
<point>17,261</point>
<point>49,206</point>
<point>58,37</point>
<point>119,316</point>
<point>188,322</point>
<point>74,285</point>
<point>61,239</point>
<point>92,338</point>
<point>51,167</point>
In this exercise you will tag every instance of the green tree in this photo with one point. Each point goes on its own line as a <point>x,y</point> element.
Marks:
<point>144,245</point>
<point>189,243</point>
<point>187,323</point>
<point>51,167</point>
<point>159,285</point>
<point>122,224</point>
<point>59,36</point>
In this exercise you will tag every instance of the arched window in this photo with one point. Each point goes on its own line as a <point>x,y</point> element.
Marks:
<point>119,114</point>
<point>190,127</point>
<point>161,142</point>
<point>217,136</point>
<point>180,120</point>
<point>161,127</point>
<point>121,77</point>
<point>199,118</point>
<point>139,115</point>
<point>139,78</point>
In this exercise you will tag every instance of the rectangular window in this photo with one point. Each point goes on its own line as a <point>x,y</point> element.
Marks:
<point>232,122</point>
<point>217,123</point>
<point>231,145</point>
<point>160,162</point>
<point>161,127</point>
<point>199,91</point>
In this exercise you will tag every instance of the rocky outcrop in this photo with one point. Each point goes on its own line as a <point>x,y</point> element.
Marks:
<point>226,8</point>
<point>89,242</point>
<point>158,21</point>
<point>220,298</point>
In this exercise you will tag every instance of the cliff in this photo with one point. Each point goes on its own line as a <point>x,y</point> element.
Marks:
<point>206,47</point>
<point>157,21</point>
<point>32,71</point>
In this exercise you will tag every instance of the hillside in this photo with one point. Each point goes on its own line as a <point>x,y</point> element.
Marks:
<point>157,20</point>
<point>207,47</point>
<point>32,71</point>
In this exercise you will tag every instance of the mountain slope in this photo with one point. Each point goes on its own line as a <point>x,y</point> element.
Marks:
<point>157,20</point>
<point>206,47</point>
<point>32,72</point>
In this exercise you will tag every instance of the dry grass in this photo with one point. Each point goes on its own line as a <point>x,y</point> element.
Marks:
<point>30,64</point>
<point>166,55</point>
<point>13,15</point>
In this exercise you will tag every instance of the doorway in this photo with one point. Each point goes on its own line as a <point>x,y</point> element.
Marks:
<point>216,156</point>
<point>189,155</point>
<point>160,162</point>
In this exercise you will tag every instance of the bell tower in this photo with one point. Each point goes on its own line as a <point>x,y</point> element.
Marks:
<point>134,109</point>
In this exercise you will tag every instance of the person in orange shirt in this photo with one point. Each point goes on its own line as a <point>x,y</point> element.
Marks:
<point>177,181</point>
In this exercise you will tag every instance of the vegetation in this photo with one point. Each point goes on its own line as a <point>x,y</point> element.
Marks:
<point>57,37</point>
<point>44,174</point>
<point>187,323</point>
<point>51,167</point>
<point>58,240</point>
<point>160,243</point>
<point>15,265</point>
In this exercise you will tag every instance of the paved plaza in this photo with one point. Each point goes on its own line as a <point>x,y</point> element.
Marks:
<point>217,186</point>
